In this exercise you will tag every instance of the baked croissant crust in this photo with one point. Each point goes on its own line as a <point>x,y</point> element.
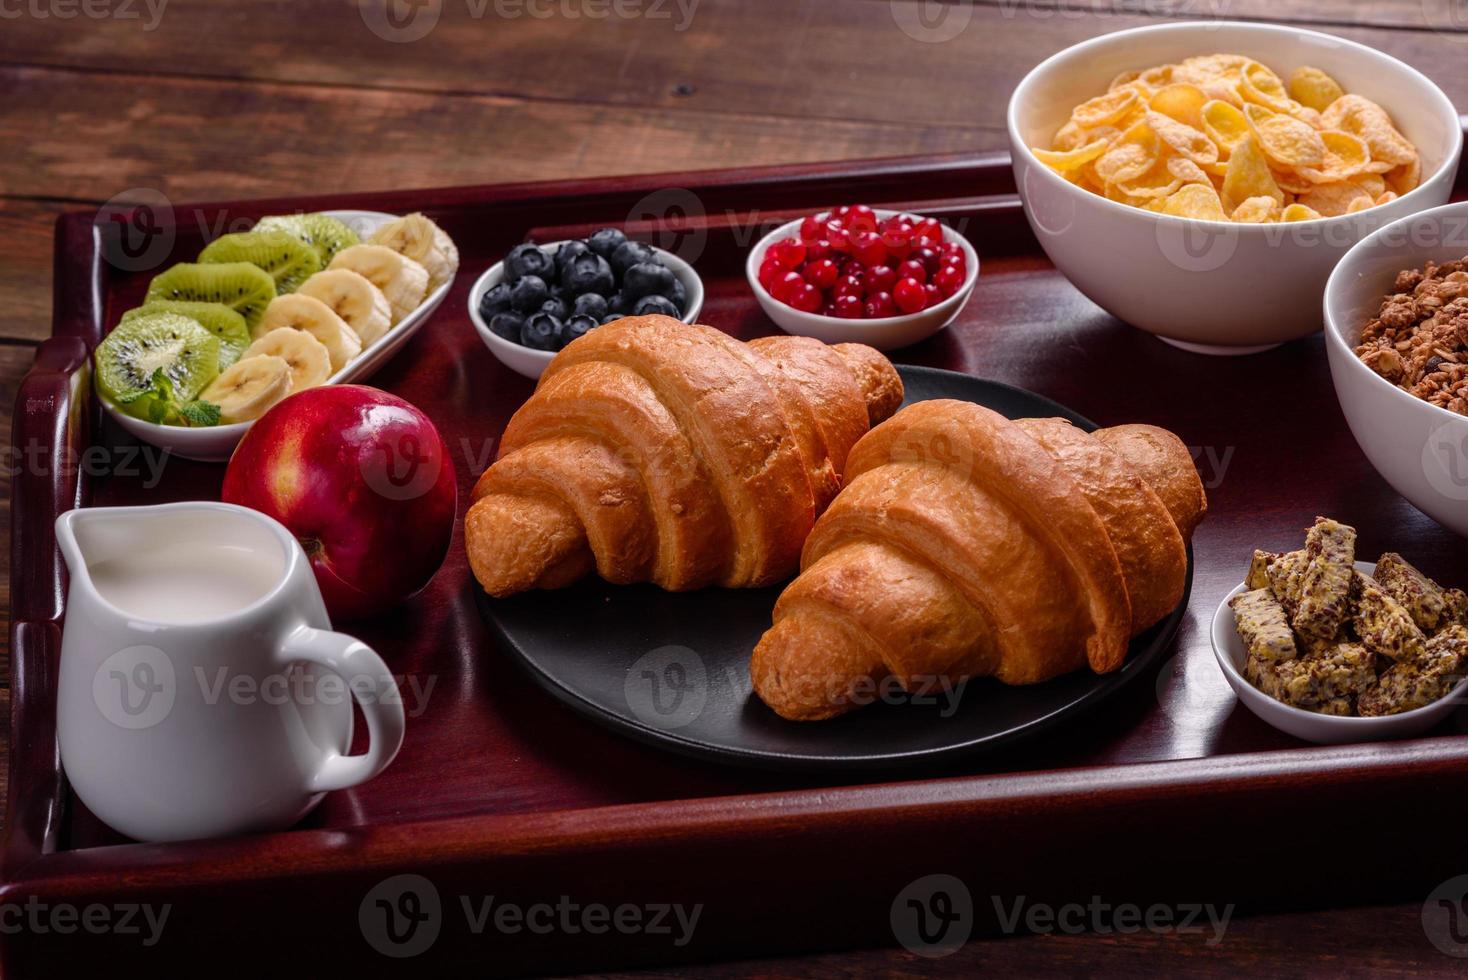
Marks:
<point>657,451</point>
<point>965,544</point>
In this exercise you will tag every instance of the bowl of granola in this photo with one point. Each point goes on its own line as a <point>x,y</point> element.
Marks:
<point>1333,650</point>
<point>1396,313</point>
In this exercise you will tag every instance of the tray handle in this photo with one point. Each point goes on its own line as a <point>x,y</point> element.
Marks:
<point>53,418</point>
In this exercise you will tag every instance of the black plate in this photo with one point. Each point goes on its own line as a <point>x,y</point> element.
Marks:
<point>672,669</point>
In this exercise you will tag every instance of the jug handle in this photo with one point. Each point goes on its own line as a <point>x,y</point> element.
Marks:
<point>356,663</point>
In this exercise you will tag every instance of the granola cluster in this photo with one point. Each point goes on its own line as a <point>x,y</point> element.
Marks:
<point>1419,339</point>
<point>1321,636</point>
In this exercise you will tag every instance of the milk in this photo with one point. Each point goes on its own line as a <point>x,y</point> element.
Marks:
<point>188,581</point>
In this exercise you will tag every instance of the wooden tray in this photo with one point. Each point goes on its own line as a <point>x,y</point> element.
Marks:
<point>1172,792</point>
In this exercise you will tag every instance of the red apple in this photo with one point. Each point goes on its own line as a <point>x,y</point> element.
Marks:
<point>363,479</point>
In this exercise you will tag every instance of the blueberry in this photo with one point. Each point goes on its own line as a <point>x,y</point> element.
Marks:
<point>629,254</point>
<point>528,259</point>
<point>567,252</point>
<point>605,242</point>
<point>618,303</point>
<point>610,317</point>
<point>591,304</point>
<point>528,294</point>
<point>679,295</point>
<point>647,279</point>
<point>556,307</point>
<point>655,304</point>
<point>507,325</point>
<point>495,300</point>
<point>589,274</point>
<point>541,332</point>
<point>578,325</point>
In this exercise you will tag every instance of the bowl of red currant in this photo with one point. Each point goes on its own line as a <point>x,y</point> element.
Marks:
<point>883,278</point>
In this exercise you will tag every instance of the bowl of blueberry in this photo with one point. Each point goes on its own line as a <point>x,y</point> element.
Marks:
<point>854,274</point>
<point>542,297</point>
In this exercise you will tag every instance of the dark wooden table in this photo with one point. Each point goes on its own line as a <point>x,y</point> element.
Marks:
<point>202,100</point>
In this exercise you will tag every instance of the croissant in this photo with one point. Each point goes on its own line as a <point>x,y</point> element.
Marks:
<point>967,545</point>
<point>657,451</point>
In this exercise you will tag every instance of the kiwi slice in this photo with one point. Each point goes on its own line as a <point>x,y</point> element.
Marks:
<point>242,286</point>
<point>322,232</point>
<point>289,260</point>
<point>218,319</point>
<point>129,358</point>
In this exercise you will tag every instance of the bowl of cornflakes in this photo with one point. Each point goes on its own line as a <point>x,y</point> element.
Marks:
<point>1201,180</point>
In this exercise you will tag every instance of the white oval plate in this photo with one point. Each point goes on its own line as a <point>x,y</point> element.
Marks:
<point>215,443</point>
<point>1309,725</point>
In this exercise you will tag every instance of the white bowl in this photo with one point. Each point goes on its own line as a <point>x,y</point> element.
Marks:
<point>528,361</point>
<point>1309,725</point>
<point>1210,286</point>
<point>214,444</point>
<point>886,333</point>
<point>1417,447</point>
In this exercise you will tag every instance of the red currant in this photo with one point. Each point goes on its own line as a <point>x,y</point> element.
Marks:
<point>859,217</point>
<point>848,307</point>
<point>812,227</point>
<point>868,249</point>
<point>913,269</point>
<point>850,286</point>
<point>948,279</point>
<point>931,228</point>
<point>806,298</point>
<point>898,239</point>
<point>786,283</point>
<point>881,278</point>
<point>929,257</point>
<point>837,235</point>
<point>818,249</point>
<point>910,296</point>
<point>823,273</point>
<point>932,294</point>
<point>768,270</point>
<point>880,305</point>
<point>790,253</point>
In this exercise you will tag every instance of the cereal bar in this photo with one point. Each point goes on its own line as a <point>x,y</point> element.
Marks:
<point>1406,686</point>
<point>1385,628</point>
<point>1325,584</point>
<point>1418,594</point>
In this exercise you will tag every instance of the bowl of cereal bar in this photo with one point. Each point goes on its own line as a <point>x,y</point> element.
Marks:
<point>1201,180</point>
<point>1331,650</point>
<point>1396,311</point>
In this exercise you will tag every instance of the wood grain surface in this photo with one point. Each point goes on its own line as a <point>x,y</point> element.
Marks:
<point>255,98</point>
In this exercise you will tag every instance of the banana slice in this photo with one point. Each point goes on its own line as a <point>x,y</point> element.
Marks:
<point>352,298</point>
<point>424,242</point>
<point>403,281</point>
<point>248,387</point>
<point>309,362</point>
<point>317,319</point>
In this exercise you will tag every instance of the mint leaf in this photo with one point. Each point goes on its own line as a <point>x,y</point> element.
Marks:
<point>199,413</point>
